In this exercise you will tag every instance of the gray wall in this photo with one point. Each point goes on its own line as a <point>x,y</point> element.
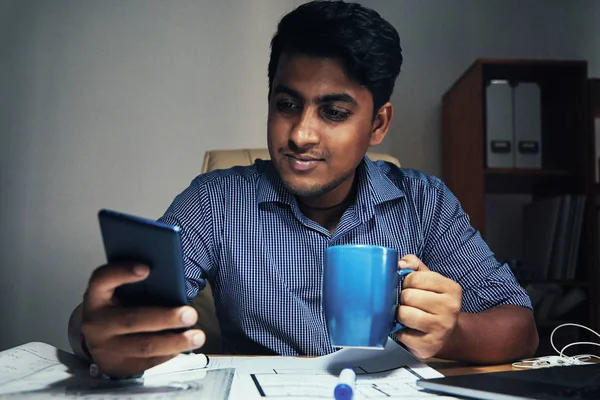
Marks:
<point>113,104</point>
<point>441,39</point>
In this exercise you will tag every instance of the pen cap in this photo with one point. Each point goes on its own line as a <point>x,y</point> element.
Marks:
<point>344,390</point>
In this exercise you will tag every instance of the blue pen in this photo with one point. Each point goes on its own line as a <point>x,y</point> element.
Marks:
<point>344,389</point>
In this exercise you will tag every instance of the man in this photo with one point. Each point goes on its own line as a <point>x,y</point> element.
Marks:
<point>258,233</point>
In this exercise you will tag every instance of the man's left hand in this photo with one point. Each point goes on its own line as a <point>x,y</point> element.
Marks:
<point>429,308</point>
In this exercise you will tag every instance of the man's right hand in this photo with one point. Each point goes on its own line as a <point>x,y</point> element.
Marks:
<point>125,341</point>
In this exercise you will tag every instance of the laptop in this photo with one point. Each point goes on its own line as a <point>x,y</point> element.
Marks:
<point>565,382</point>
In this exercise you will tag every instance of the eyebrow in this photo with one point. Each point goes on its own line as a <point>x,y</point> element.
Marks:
<point>326,98</point>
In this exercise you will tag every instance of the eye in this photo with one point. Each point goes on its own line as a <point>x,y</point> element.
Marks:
<point>287,106</point>
<point>334,114</point>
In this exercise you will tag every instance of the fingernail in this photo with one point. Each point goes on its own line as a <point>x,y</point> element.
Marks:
<point>140,270</point>
<point>198,339</point>
<point>188,318</point>
<point>403,263</point>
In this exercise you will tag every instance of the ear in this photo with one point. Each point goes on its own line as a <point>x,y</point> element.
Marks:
<point>381,123</point>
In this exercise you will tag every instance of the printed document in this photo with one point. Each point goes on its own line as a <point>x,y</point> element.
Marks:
<point>37,370</point>
<point>40,371</point>
<point>391,373</point>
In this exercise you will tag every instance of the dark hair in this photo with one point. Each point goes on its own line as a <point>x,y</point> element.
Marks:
<point>367,45</point>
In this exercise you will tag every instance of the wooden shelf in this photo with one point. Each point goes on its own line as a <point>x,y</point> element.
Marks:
<point>526,172</point>
<point>518,68</point>
<point>569,100</point>
<point>528,181</point>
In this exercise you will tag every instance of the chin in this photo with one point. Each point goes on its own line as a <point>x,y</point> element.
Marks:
<point>304,186</point>
<point>305,189</point>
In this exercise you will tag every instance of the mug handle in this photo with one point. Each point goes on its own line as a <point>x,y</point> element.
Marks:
<point>398,326</point>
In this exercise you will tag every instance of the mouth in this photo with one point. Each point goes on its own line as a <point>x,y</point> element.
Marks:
<point>303,163</point>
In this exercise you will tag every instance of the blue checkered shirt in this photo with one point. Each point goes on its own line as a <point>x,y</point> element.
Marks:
<point>243,231</point>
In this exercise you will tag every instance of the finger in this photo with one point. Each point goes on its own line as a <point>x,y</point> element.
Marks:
<point>430,281</point>
<point>428,301</point>
<point>410,261</point>
<point>106,279</point>
<point>415,318</point>
<point>149,345</point>
<point>121,321</point>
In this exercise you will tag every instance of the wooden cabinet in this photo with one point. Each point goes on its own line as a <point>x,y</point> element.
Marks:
<point>568,164</point>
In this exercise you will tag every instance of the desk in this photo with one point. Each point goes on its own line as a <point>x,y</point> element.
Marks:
<point>447,367</point>
<point>450,368</point>
<point>290,376</point>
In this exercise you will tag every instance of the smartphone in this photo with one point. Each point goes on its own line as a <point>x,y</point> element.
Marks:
<point>131,239</point>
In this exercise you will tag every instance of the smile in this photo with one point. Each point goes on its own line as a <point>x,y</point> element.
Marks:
<point>298,164</point>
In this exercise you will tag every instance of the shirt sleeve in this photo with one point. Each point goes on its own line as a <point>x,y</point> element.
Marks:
<point>455,249</point>
<point>191,212</point>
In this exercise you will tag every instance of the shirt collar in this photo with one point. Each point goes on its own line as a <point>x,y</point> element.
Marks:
<point>380,188</point>
<point>374,187</point>
<point>270,187</point>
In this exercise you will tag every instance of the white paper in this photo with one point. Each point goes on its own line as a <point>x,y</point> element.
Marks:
<point>395,384</point>
<point>38,370</point>
<point>181,363</point>
<point>391,373</point>
<point>35,362</point>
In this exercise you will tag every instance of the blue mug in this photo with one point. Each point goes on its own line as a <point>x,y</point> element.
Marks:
<point>360,294</point>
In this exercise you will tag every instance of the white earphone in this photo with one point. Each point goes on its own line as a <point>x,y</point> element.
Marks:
<point>561,359</point>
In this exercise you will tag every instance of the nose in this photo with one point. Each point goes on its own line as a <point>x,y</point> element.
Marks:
<point>304,133</point>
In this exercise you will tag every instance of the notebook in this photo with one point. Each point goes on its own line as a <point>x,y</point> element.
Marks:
<point>564,382</point>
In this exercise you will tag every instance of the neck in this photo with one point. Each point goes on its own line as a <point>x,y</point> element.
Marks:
<point>328,216</point>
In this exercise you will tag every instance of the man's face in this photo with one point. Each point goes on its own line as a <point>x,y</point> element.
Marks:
<point>320,126</point>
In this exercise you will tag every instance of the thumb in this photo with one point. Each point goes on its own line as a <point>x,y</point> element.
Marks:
<point>106,279</point>
<point>410,261</point>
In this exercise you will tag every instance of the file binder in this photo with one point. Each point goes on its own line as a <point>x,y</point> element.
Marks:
<point>528,125</point>
<point>499,125</point>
